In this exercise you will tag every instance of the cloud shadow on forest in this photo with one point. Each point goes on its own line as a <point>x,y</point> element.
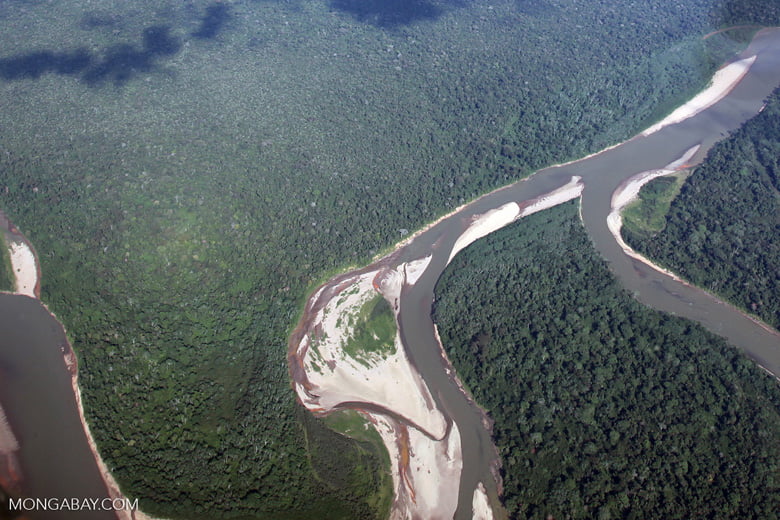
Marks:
<point>217,15</point>
<point>389,14</point>
<point>117,64</point>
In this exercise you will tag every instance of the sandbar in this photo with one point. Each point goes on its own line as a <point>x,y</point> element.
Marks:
<point>724,80</point>
<point>24,267</point>
<point>480,506</point>
<point>485,224</point>
<point>336,378</point>
<point>628,192</point>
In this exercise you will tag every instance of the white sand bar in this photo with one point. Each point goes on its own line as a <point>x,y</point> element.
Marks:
<point>722,83</point>
<point>565,193</point>
<point>386,379</point>
<point>426,473</point>
<point>495,219</point>
<point>388,430</point>
<point>629,189</point>
<point>25,270</point>
<point>434,474</point>
<point>415,269</point>
<point>480,508</point>
<point>485,224</point>
<point>627,192</point>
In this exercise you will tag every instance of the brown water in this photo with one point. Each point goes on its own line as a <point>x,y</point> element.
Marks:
<point>601,174</point>
<point>36,393</point>
<point>35,388</point>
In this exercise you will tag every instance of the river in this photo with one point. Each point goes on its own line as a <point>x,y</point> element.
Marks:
<point>36,393</point>
<point>601,174</point>
<point>45,418</point>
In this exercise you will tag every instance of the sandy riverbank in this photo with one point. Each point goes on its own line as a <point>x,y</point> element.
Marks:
<point>497,218</point>
<point>569,191</point>
<point>24,267</point>
<point>485,224</point>
<point>722,83</point>
<point>424,446</point>
<point>627,192</point>
<point>480,506</point>
<point>27,271</point>
<point>426,472</point>
<point>334,377</point>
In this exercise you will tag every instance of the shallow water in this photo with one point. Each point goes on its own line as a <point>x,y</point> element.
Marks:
<point>601,174</point>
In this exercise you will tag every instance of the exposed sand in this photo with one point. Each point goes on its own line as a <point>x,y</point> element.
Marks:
<point>24,266</point>
<point>485,224</point>
<point>387,380</point>
<point>629,189</point>
<point>434,473</point>
<point>415,269</point>
<point>479,504</point>
<point>497,218</point>
<point>334,378</point>
<point>426,472</point>
<point>425,451</point>
<point>722,83</point>
<point>565,193</point>
<point>628,192</point>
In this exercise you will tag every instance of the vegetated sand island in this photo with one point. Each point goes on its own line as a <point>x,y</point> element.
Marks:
<point>424,445</point>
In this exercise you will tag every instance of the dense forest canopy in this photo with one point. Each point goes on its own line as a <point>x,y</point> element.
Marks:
<point>6,269</point>
<point>187,171</point>
<point>602,407</point>
<point>721,232</point>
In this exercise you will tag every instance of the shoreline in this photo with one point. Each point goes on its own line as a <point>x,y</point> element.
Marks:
<point>425,466</point>
<point>29,265</point>
<point>422,441</point>
<point>723,82</point>
<point>24,260</point>
<point>627,192</point>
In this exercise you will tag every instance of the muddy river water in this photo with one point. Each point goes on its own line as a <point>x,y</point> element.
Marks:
<point>601,174</point>
<point>35,384</point>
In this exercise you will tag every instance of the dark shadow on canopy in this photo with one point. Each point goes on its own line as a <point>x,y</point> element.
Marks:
<point>212,22</point>
<point>118,63</point>
<point>34,64</point>
<point>121,62</point>
<point>389,13</point>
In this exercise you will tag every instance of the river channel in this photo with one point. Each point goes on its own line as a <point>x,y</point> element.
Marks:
<point>601,174</point>
<point>47,420</point>
<point>36,393</point>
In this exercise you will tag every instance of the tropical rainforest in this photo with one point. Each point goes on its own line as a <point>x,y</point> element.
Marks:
<point>602,407</point>
<point>189,171</point>
<point>7,280</point>
<point>721,231</point>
